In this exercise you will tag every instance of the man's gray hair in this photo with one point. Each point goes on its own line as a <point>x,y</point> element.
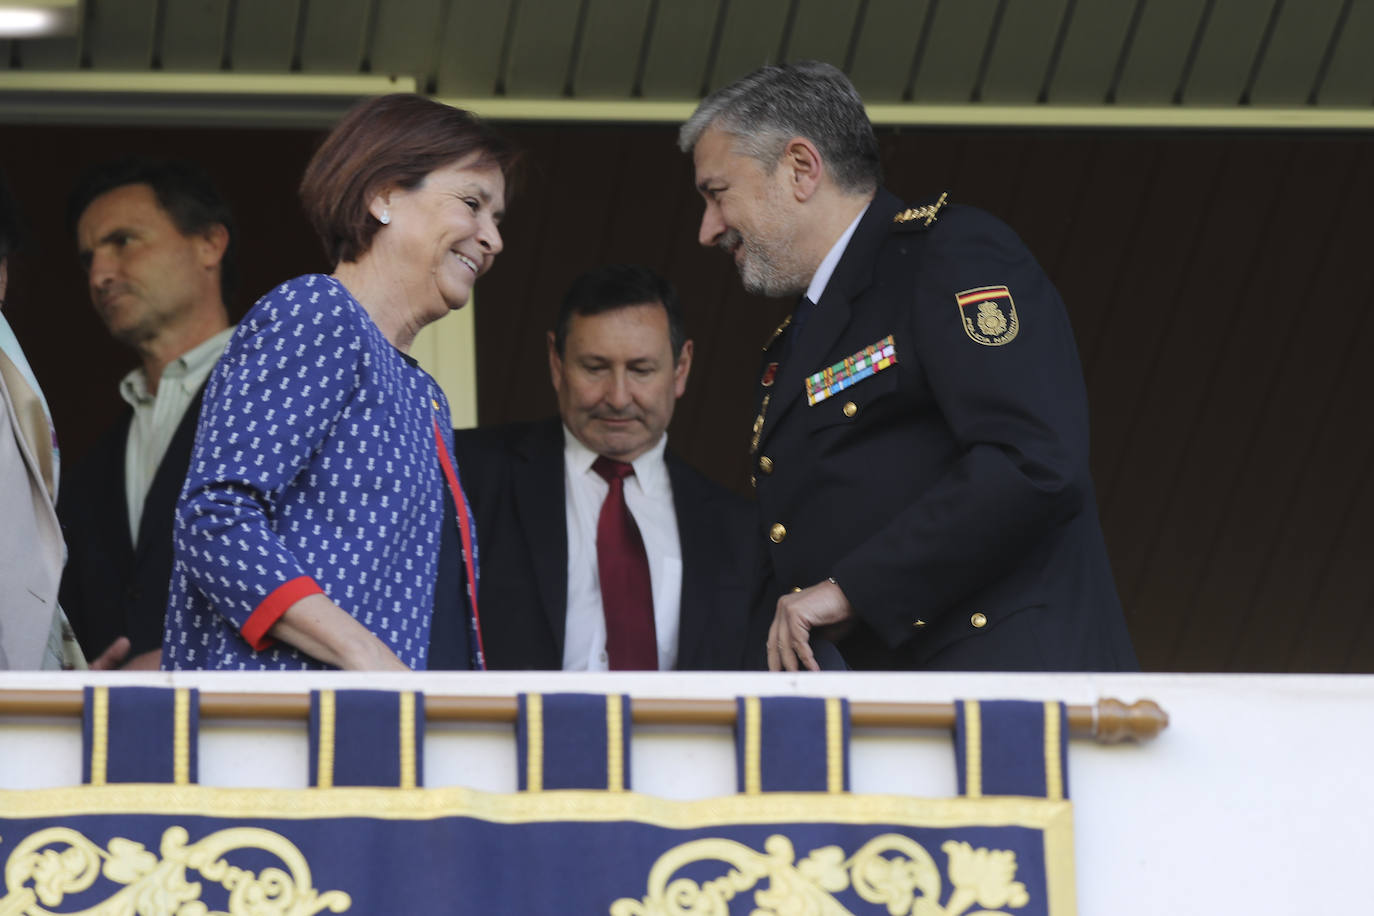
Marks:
<point>810,99</point>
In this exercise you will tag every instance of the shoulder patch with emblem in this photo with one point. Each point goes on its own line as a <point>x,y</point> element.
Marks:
<point>919,218</point>
<point>988,315</point>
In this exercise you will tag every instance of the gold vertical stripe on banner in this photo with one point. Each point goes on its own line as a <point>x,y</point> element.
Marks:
<point>753,740</point>
<point>181,737</point>
<point>407,739</point>
<point>615,744</point>
<point>534,742</point>
<point>834,746</point>
<point>325,777</point>
<point>100,734</point>
<point>1054,771</point>
<point>973,749</point>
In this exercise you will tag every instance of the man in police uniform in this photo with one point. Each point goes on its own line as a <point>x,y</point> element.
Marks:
<point>921,443</point>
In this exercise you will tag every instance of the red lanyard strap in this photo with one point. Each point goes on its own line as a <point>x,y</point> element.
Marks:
<point>465,528</point>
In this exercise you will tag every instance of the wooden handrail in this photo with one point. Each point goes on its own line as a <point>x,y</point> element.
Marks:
<point>1108,722</point>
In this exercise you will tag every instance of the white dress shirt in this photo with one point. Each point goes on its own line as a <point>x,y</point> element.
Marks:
<point>157,416</point>
<point>649,496</point>
<point>821,278</point>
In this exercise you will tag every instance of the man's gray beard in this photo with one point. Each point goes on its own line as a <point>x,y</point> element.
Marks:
<point>762,277</point>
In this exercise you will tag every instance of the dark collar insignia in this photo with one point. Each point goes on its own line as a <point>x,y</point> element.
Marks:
<point>920,217</point>
<point>777,333</point>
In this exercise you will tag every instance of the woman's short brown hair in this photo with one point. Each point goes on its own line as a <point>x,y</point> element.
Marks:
<point>392,140</point>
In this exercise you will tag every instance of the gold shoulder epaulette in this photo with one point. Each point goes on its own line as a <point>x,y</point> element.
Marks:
<point>920,217</point>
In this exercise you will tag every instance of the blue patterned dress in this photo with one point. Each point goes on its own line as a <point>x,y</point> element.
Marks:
<point>316,468</point>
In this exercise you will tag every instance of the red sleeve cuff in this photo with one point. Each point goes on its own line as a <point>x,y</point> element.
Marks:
<point>273,606</point>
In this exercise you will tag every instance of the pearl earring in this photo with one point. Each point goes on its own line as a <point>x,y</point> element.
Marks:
<point>385,217</point>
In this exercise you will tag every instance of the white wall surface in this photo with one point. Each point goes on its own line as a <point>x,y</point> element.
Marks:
<point>447,350</point>
<point>1256,799</point>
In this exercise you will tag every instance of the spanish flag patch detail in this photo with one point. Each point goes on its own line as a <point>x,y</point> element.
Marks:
<point>851,370</point>
<point>988,315</point>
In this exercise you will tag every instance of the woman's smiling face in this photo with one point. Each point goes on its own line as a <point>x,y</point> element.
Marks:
<point>443,233</point>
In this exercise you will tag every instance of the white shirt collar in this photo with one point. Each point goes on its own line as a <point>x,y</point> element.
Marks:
<point>650,470</point>
<point>193,367</point>
<point>832,258</point>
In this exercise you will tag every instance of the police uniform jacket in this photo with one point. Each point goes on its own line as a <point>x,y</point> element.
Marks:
<point>947,491</point>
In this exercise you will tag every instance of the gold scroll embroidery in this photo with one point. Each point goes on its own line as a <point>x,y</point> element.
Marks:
<point>52,863</point>
<point>890,871</point>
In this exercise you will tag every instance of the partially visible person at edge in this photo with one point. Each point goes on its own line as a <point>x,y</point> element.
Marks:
<point>33,630</point>
<point>921,439</point>
<point>323,523</point>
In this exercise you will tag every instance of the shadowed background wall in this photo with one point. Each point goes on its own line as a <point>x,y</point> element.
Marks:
<point>1218,285</point>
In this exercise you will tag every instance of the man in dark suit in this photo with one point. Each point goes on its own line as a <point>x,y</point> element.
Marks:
<point>922,434</point>
<point>157,243</point>
<point>555,591</point>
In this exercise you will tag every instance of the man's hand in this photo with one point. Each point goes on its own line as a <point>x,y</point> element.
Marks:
<point>789,638</point>
<point>116,658</point>
<point>145,661</point>
<point>113,656</point>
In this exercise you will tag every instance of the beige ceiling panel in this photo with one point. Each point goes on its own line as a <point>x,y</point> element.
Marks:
<point>752,38</point>
<point>678,49</point>
<point>1021,58</point>
<point>886,47</point>
<point>541,48</point>
<point>612,45</point>
<point>1156,60</point>
<point>193,34</point>
<point>1092,48</point>
<point>119,34</point>
<point>1226,55</point>
<point>405,38</point>
<point>962,61</point>
<point>822,30</point>
<point>333,40</point>
<point>469,62</point>
<point>958,37</point>
<point>1290,68</point>
<point>263,36</point>
<point>1349,81</point>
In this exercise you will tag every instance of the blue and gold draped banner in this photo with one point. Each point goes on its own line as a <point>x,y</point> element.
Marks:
<point>393,847</point>
<point>197,849</point>
<point>1011,747</point>
<point>573,741</point>
<point>792,744</point>
<point>139,734</point>
<point>366,738</point>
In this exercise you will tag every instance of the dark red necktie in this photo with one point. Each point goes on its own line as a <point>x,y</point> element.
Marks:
<point>623,565</point>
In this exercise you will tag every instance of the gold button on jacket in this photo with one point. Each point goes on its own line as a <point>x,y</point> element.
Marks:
<point>777,532</point>
<point>850,408</point>
<point>979,620</point>
<point>765,464</point>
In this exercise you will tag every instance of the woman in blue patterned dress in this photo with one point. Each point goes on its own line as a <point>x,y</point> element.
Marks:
<point>322,523</point>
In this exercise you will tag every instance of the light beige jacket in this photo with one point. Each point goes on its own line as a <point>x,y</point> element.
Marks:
<point>31,546</point>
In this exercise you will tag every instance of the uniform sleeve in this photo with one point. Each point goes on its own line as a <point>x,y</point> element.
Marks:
<point>273,400</point>
<point>1005,375</point>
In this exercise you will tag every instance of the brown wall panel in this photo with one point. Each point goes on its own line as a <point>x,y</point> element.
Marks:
<point>1218,283</point>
